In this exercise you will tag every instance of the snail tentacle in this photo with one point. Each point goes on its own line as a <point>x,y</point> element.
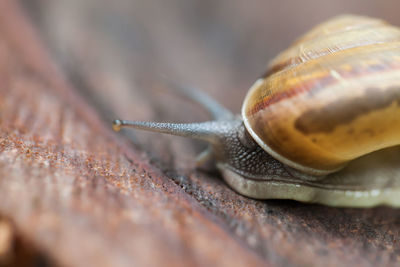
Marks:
<point>203,131</point>
<point>213,107</point>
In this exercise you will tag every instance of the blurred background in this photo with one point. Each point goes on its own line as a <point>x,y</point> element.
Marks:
<point>114,51</point>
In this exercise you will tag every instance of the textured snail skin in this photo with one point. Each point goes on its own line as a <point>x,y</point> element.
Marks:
<point>365,182</point>
<point>330,98</point>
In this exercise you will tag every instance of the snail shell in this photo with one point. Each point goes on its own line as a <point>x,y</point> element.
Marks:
<point>331,97</point>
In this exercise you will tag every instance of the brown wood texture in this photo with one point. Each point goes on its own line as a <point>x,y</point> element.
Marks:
<point>77,194</point>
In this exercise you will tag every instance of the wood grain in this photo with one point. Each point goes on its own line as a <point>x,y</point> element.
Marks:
<point>85,196</point>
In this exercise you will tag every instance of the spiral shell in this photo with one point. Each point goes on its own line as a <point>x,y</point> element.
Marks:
<point>333,96</point>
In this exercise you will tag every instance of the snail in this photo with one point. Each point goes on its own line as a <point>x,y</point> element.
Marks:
<point>322,125</point>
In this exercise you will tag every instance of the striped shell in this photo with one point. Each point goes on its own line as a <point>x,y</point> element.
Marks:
<point>333,96</point>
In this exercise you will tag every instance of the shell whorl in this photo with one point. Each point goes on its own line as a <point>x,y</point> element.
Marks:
<point>333,96</point>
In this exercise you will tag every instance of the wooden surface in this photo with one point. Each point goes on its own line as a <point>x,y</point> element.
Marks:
<point>73,193</point>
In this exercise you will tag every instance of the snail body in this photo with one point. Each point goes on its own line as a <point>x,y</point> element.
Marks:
<point>322,125</point>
